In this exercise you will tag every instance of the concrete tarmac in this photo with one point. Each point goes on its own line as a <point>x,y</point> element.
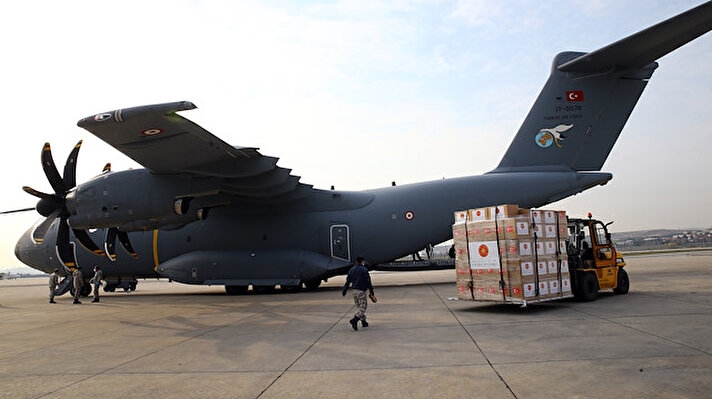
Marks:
<point>171,340</point>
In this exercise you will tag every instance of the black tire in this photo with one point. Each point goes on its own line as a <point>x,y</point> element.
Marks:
<point>312,285</point>
<point>587,287</point>
<point>623,283</point>
<point>236,289</point>
<point>132,287</point>
<point>86,290</point>
<point>263,289</point>
<point>290,288</point>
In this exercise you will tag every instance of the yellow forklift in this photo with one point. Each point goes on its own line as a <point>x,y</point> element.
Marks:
<point>594,262</point>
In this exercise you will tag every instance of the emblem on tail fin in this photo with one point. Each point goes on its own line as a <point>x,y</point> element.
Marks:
<point>552,135</point>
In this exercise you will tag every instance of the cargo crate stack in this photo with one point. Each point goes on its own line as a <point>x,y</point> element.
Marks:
<point>509,254</point>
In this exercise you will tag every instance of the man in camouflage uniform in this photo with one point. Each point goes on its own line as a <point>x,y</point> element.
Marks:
<point>78,281</point>
<point>96,281</point>
<point>53,282</point>
<point>360,280</point>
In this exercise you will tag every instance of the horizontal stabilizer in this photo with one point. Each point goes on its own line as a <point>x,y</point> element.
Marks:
<point>646,46</point>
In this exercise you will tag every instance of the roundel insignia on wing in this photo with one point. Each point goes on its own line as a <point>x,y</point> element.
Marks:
<point>152,132</point>
<point>409,215</point>
<point>101,117</point>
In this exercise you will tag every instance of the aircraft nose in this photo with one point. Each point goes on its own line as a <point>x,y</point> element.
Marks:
<point>32,254</point>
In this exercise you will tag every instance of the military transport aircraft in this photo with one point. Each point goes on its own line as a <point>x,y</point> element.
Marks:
<point>205,212</point>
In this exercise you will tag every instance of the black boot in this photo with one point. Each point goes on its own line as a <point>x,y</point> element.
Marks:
<point>354,323</point>
<point>52,302</point>
<point>95,300</point>
<point>76,302</point>
<point>364,323</point>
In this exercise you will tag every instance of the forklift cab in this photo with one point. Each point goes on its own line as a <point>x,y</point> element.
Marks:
<point>593,260</point>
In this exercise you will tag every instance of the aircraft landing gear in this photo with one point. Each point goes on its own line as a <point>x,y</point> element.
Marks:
<point>312,285</point>
<point>236,289</point>
<point>263,289</point>
<point>84,292</point>
<point>290,288</point>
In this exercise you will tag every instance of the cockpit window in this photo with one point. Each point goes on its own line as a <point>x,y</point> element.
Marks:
<point>87,191</point>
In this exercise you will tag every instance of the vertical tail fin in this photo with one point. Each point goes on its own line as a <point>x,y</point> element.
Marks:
<point>588,97</point>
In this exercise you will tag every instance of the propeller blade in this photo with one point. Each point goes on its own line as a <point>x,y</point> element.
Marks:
<point>107,168</point>
<point>87,242</point>
<point>124,240</point>
<point>38,194</point>
<point>17,210</point>
<point>65,248</point>
<point>38,234</point>
<point>110,243</point>
<point>70,168</point>
<point>50,170</point>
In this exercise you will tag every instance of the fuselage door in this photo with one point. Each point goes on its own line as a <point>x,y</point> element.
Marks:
<point>340,248</point>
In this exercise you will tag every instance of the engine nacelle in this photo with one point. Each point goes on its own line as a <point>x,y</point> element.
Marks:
<point>135,200</point>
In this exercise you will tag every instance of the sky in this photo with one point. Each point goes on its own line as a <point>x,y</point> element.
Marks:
<point>354,94</point>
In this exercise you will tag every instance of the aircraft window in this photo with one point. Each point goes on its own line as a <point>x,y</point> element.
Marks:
<point>89,191</point>
<point>601,235</point>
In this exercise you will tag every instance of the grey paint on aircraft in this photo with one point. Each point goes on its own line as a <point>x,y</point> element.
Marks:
<point>229,215</point>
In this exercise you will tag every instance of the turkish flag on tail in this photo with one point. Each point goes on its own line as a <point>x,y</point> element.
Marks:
<point>575,95</point>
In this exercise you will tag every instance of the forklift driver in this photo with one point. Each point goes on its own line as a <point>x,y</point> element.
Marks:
<point>586,253</point>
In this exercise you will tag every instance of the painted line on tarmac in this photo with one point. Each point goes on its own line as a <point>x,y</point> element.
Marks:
<point>672,341</point>
<point>305,352</point>
<point>475,342</point>
<point>158,350</point>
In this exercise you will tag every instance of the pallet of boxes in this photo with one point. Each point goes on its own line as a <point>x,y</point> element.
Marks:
<point>512,255</point>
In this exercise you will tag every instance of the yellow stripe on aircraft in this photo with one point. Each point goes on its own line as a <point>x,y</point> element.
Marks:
<point>155,250</point>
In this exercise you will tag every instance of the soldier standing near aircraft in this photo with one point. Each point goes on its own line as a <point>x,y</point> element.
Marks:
<point>361,281</point>
<point>78,283</point>
<point>53,282</point>
<point>96,280</point>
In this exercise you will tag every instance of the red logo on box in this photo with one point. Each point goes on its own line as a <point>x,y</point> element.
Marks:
<point>483,250</point>
<point>516,290</point>
<point>510,229</point>
<point>479,271</point>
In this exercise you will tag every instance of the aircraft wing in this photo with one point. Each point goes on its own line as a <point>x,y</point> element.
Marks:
<point>164,142</point>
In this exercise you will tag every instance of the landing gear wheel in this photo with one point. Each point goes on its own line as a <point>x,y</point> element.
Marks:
<point>290,288</point>
<point>109,288</point>
<point>312,285</point>
<point>623,283</point>
<point>132,287</point>
<point>263,289</point>
<point>587,287</point>
<point>86,290</point>
<point>236,289</point>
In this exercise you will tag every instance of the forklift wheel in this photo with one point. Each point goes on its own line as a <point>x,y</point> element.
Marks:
<point>623,283</point>
<point>588,287</point>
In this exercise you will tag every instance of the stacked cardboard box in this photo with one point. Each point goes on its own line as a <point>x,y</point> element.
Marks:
<point>504,253</point>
